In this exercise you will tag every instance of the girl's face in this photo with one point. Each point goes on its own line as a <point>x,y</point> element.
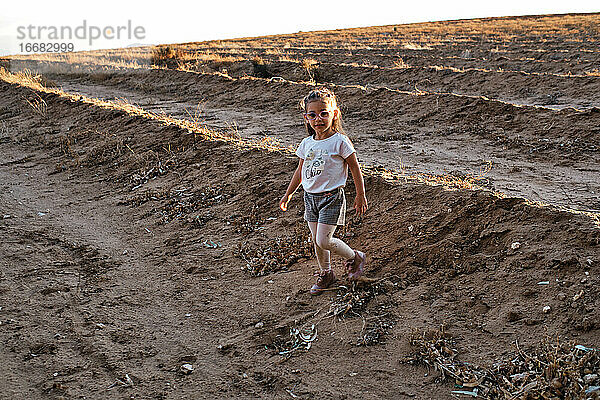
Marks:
<point>320,116</point>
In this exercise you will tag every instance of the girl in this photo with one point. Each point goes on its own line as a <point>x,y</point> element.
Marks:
<point>325,156</point>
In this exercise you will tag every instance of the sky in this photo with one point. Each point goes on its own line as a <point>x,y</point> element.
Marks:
<point>112,23</point>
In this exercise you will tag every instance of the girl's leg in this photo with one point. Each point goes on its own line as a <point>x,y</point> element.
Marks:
<point>325,240</point>
<point>323,256</point>
<point>355,260</point>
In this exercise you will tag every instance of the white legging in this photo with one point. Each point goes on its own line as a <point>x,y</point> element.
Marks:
<point>325,243</point>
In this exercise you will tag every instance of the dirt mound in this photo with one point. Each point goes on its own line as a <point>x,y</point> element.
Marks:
<point>157,276</point>
<point>534,131</point>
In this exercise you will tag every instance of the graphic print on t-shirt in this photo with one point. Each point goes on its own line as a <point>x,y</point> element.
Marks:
<point>314,163</point>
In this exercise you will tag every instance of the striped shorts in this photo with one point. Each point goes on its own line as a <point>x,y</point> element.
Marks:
<point>326,208</point>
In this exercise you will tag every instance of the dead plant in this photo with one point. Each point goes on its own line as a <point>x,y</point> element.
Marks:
<point>552,370</point>
<point>38,105</point>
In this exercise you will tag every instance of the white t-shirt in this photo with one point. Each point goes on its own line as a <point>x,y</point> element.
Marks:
<point>324,167</point>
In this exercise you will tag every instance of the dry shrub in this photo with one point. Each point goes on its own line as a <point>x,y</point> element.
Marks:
<point>551,370</point>
<point>310,66</point>
<point>415,46</point>
<point>260,68</point>
<point>181,204</point>
<point>276,254</point>
<point>167,56</point>
<point>401,64</point>
<point>149,165</point>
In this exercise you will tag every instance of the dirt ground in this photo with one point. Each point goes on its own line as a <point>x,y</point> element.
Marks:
<point>129,248</point>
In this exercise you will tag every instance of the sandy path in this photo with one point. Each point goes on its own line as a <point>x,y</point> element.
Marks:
<point>98,329</point>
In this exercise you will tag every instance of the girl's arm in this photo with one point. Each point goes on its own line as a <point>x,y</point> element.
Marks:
<point>294,183</point>
<point>360,203</point>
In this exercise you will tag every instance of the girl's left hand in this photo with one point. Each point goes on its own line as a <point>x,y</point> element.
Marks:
<point>360,204</point>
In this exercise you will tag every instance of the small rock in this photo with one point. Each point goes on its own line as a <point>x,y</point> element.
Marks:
<point>584,280</point>
<point>100,325</point>
<point>515,245</point>
<point>547,309</point>
<point>259,325</point>
<point>411,228</point>
<point>513,316</point>
<point>561,296</point>
<point>186,369</point>
<point>270,281</point>
<point>590,378</point>
<point>6,216</point>
<point>589,262</point>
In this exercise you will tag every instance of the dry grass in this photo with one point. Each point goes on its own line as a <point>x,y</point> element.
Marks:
<point>310,65</point>
<point>552,370</point>
<point>288,59</point>
<point>208,56</point>
<point>594,72</point>
<point>125,58</point>
<point>38,105</point>
<point>443,68</point>
<point>32,81</point>
<point>276,254</point>
<point>415,46</point>
<point>400,64</point>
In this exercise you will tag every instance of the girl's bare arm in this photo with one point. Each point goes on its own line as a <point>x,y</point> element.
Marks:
<point>360,202</point>
<point>294,183</point>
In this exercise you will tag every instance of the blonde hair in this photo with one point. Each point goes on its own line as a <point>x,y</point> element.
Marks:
<point>328,97</point>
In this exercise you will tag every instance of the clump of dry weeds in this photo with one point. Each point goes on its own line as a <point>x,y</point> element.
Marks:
<point>276,254</point>
<point>167,56</point>
<point>355,301</point>
<point>181,203</point>
<point>552,370</point>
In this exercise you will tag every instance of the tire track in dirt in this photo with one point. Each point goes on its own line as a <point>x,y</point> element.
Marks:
<point>70,257</point>
<point>515,87</point>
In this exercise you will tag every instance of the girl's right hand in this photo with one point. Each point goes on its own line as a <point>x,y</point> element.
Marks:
<point>283,203</point>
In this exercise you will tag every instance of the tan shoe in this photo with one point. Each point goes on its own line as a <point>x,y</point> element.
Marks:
<point>355,267</point>
<point>324,280</point>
